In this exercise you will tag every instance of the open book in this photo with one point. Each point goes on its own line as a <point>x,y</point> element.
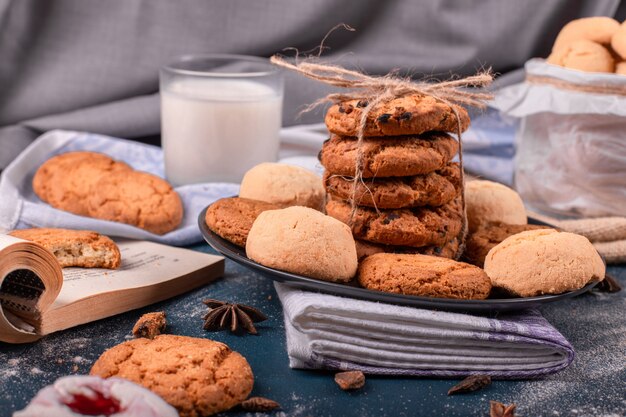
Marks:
<point>37,297</point>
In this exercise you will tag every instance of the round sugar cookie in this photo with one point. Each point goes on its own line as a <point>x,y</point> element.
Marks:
<point>284,185</point>
<point>599,29</point>
<point>303,241</point>
<point>488,201</point>
<point>543,261</point>
<point>583,55</point>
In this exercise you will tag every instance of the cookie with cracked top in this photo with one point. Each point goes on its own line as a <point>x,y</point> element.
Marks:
<point>433,189</point>
<point>232,218</point>
<point>481,241</point>
<point>198,377</point>
<point>136,198</point>
<point>409,115</point>
<point>81,248</point>
<point>64,181</point>
<point>424,276</point>
<point>389,157</point>
<point>450,250</point>
<point>402,227</point>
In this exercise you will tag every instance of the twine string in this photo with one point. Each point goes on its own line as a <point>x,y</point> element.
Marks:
<point>378,90</point>
<point>610,89</point>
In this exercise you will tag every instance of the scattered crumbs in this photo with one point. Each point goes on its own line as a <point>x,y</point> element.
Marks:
<point>269,297</point>
<point>598,360</point>
<point>74,368</point>
<point>36,371</point>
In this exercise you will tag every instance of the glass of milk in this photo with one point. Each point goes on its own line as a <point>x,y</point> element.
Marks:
<point>220,116</point>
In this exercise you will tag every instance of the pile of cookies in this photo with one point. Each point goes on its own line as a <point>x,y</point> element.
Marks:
<point>592,44</point>
<point>403,227</point>
<point>409,199</point>
<point>95,185</point>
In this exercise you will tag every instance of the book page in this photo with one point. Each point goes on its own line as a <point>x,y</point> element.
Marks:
<point>30,280</point>
<point>143,264</point>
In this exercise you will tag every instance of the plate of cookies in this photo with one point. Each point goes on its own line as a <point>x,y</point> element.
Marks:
<point>496,301</point>
<point>393,220</point>
<point>280,226</point>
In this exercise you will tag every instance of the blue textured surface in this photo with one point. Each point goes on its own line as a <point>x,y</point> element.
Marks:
<point>595,385</point>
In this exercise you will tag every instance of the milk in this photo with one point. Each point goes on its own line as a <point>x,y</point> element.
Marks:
<point>214,130</point>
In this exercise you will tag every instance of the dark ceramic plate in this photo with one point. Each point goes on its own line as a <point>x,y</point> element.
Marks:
<point>238,255</point>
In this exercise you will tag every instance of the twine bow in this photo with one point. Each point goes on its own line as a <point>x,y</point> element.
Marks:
<point>377,90</point>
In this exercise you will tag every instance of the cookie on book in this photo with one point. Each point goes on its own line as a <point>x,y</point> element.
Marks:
<point>409,115</point>
<point>543,261</point>
<point>488,235</point>
<point>433,189</point>
<point>231,218</point>
<point>65,181</point>
<point>450,250</point>
<point>199,377</point>
<point>81,248</point>
<point>303,241</point>
<point>389,157</point>
<point>424,276</point>
<point>136,198</point>
<point>402,227</point>
<point>283,184</point>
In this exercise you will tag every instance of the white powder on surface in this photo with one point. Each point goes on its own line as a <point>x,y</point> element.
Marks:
<point>595,381</point>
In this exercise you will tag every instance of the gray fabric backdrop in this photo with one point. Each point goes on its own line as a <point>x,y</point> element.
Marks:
<point>93,65</point>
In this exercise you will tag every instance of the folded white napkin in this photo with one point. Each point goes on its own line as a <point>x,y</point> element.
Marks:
<point>331,332</point>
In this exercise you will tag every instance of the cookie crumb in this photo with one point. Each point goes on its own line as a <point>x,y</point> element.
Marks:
<point>150,325</point>
<point>350,380</point>
<point>259,404</point>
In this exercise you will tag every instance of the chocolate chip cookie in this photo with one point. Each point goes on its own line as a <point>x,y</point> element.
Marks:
<point>136,198</point>
<point>409,115</point>
<point>389,157</point>
<point>488,235</point>
<point>198,377</point>
<point>433,189</point>
<point>402,227</point>
<point>450,250</point>
<point>64,181</point>
<point>231,218</point>
<point>424,276</point>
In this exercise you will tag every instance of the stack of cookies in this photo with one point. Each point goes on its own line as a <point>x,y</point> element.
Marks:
<point>410,196</point>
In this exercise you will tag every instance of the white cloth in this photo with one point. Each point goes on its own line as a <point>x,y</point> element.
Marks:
<point>331,332</point>
<point>21,208</point>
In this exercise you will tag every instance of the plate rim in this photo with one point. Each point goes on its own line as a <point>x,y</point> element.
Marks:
<point>221,245</point>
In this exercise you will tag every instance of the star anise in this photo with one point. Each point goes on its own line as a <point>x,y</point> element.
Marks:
<point>223,315</point>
